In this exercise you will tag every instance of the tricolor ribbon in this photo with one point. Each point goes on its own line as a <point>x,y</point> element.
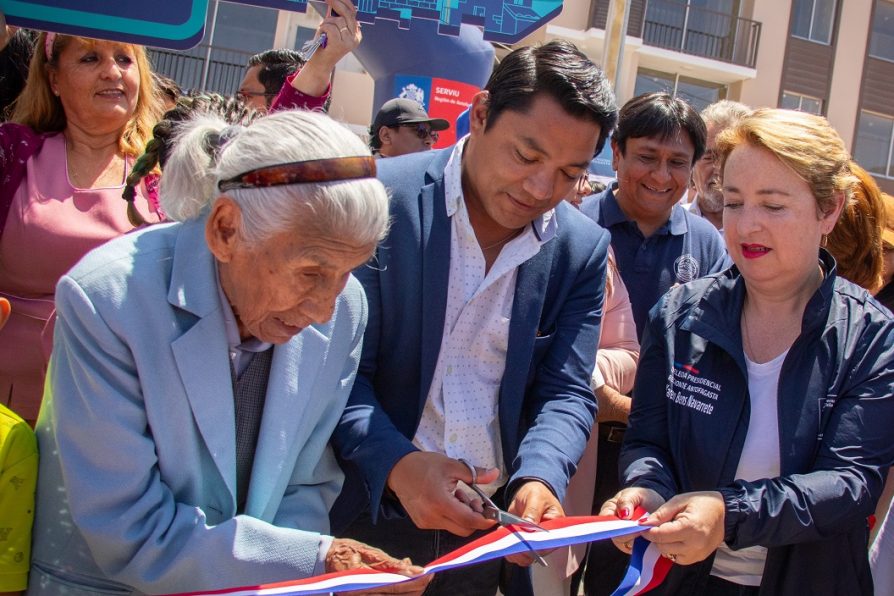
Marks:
<point>647,567</point>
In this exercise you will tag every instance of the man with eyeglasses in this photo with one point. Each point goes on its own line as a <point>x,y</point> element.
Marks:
<point>403,126</point>
<point>281,79</point>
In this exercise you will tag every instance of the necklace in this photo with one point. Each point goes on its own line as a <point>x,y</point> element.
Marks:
<point>511,235</point>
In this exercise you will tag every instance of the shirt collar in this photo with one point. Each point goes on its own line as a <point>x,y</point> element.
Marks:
<point>612,214</point>
<point>544,227</point>
<point>231,328</point>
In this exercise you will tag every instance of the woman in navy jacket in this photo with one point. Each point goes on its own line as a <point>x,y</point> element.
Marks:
<point>760,433</point>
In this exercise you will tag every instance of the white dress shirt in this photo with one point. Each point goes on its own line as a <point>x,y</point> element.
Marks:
<point>461,417</point>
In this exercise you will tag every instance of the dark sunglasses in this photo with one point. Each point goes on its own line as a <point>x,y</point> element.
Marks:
<point>423,132</point>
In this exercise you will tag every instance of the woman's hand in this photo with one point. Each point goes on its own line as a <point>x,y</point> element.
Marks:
<point>623,505</point>
<point>689,527</point>
<point>345,554</point>
<point>342,37</point>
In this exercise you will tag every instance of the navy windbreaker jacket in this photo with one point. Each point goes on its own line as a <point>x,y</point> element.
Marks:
<point>836,429</point>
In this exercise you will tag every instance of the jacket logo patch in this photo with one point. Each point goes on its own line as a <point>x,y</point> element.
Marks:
<point>686,388</point>
<point>686,268</point>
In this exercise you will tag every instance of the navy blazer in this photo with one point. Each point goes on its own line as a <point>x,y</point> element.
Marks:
<point>546,406</point>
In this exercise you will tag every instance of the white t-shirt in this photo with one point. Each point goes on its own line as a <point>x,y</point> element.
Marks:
<point>759,459</point>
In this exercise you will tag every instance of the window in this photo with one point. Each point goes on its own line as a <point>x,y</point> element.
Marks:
<point>805,103</point>
<point>875,143</point>
<point>698,93</point>
<point>881,40</point>
<point>812,20</point>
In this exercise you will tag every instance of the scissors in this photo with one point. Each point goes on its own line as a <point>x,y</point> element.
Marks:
<point>504,518</point>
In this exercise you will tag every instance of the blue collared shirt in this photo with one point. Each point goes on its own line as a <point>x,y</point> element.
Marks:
<point>685,248</point>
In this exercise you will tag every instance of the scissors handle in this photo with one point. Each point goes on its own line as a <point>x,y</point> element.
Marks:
<point>504,518</point>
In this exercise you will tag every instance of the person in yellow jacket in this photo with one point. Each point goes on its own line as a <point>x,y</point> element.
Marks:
<point>18,480</point>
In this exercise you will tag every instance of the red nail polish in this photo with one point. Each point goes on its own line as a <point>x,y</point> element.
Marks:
<point>625,513</point>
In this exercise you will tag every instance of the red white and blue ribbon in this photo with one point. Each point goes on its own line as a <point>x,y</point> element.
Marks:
<point>647,568</point>
<point>646,571</point>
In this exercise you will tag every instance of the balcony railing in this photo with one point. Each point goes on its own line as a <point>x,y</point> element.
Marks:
<point>225,69</point>
<point>699,31</point>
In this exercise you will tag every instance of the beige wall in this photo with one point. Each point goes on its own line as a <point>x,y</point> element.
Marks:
<point>574,15</point>
<point>352,98</point>
<point>764,90</point>
<point>844,96</point>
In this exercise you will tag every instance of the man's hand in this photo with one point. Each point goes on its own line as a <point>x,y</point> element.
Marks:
<point>613,405</point>
<point>342,37</point>
<point>689,527</point>
<point>624,503</point>
<point>535,502</point>
<point>424,483</point>
<point>345,554</point>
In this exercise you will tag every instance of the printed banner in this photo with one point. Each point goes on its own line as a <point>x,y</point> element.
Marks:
<point>647,567</point>
<point>441,98</point>
<point>179,24</point>
<point>175,24</point>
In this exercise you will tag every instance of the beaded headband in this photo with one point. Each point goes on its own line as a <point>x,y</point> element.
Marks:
<point>48,45</point>
<point>302,172</point>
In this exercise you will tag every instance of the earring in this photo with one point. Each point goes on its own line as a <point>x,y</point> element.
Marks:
<point>824,241</point>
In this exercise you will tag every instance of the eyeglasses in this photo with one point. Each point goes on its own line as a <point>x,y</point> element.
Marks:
<point>244,95</point>
<point>423,132</point>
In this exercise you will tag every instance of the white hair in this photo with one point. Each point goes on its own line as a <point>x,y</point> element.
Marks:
<point>350,209</point>
<point>725,113</point>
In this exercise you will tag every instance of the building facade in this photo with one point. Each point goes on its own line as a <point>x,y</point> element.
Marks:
<point>829,57</point>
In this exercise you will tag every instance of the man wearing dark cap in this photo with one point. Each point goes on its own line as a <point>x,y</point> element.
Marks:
<point>403,126</point>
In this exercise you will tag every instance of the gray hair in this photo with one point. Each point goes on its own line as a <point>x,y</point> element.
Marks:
<point>725,113</point>
<point>353,209</point>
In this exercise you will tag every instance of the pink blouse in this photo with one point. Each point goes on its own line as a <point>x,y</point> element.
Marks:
<point>50,226</point>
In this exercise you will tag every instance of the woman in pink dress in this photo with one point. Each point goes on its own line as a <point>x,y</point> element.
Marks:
<point>86,112</point>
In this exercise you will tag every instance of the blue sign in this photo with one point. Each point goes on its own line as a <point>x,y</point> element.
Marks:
<point>506,21</point>
<point>179,24</point>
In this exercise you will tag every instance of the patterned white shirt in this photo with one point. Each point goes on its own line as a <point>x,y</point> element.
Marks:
<point>461,416</point>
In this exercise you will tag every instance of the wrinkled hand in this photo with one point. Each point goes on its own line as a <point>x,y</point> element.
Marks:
<point>689,526</point>
<point>425,484</point>
<point>347,554</point>
<point>623,505</point>
<point>535,502</point>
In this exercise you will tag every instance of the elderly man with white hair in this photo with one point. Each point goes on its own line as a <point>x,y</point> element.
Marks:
<point>199,369</point>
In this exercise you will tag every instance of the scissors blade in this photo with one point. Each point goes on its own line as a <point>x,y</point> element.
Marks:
<point>530,548</point>
<point>505,519</point>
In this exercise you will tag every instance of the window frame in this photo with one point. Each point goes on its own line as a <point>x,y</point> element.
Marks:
<point>812,26</point>
<point>889,164</point>
<point>677,78</point>
<point>801,97</point>
<point>872,33</point>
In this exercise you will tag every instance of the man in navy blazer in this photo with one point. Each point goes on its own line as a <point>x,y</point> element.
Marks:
<point>485,302</point>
